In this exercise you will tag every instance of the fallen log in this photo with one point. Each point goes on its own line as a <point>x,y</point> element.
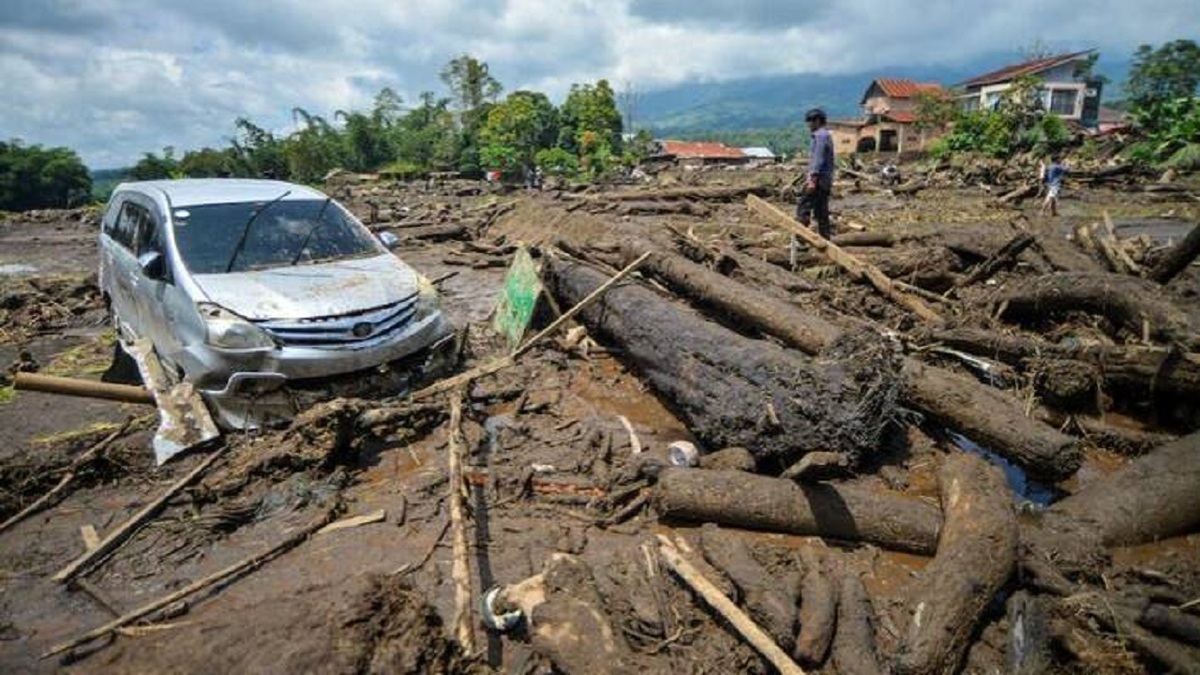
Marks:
<point>854,640</point>
<point>1130,303</point>
<point>1177,258</point>
<point>717,194</point>
<point>688,208</point>
<point>738,265</point>
<point>857,268</point>
<point>1126,368</point>
<point>1150,498</point>
<point>818,611</point>
<point>784,320</point>
<point>976,555</point>
<point>439,232</point>
<point>847,511</point>
<point>992,419</point>
<point>736,618</point>
<point>1116,257</point>
<point>460,571</point>
<point>1172,622</point>
<point>881,239</point>
<point>1005,257</point>
<point>733,391</point>
<point>1019,193</point>
<point>770,601</point>
<point>934,268</point>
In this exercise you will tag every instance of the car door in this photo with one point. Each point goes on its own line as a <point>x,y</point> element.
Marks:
<point>157,298</point>
<point>122,270</point>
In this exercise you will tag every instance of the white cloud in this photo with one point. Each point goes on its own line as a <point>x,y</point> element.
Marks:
<point>116,79</point>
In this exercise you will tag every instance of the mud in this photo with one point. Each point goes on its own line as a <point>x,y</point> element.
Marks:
<point>550,462</point>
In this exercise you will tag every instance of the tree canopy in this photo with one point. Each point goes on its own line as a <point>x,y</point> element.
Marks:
<point>1161,74</point>
<point>33,177</point>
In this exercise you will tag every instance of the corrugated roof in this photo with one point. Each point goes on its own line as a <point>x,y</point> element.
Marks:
<point>701,150</point>
<point>1016,70</point>
<point>902,117</point>
<point>899,87</point>
<point>758,152</point>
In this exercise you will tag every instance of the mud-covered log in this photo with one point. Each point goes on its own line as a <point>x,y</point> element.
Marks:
<point>1177,258</point>
<point>991,418</point>
<point>976,555</point>
<point>1128,302</point>
<point>1151,498</point>
<point>881,239</point>
<point>933,268</point>
<point>1171,622</point>
<point>439,232</point>
<point>849,511</point>
<point>690,208</point>
<point>743,267</point>
<point>734,391</point>
<point>1131,369</point>
<point>854,641</point>
<point>1005,257</point>
<point>797,328</point>
<point>716,194</point>
<point>769,600</point>
<point>818,611</point>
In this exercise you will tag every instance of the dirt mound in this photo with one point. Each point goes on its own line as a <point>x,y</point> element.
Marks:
<point>392,628</point>
<point>32,306</point>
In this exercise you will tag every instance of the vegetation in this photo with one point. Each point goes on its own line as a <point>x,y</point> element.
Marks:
<point>1163,103</point>
<point>1018,123</point>
<point>33,177</point>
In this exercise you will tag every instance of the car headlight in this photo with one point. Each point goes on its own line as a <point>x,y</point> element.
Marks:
<point>230,331</point>
<point>428,301</point>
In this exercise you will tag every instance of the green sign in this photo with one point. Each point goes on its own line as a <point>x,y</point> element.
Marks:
<point>522,284</point>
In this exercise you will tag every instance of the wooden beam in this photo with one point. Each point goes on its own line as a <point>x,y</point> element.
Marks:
<point>848,262</point>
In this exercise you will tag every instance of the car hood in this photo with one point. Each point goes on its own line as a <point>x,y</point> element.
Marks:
<point>310,291</point>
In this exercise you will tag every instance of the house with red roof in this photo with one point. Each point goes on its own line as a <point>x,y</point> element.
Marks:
<point>1065,91</point>
<point>701,153</point>
<point>890,118</point>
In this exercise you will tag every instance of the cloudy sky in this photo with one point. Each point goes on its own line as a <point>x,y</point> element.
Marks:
<point>116,78</point>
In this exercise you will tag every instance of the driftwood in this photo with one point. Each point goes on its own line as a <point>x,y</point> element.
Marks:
<point>1177,258</point>
<point>857,268</point>
<point>736,618</point>
<point>881,239</point>
<point>738,265</point>
<point>439,232</point>
<point>818,611</point>
<point>1016,195</point>
<point>1005,257</point>
<point>784,320</point>
<point>198,585</point>
<point>976,555</point>
<point>854,640</point>
<point>1151,498</point>
<point>770,601</point>
<point>1131,369</point>
<point>733,391</point>
<point>992,418</point>
<point>849,511</point>
<point>1130,303</point>
<point>126,529</point>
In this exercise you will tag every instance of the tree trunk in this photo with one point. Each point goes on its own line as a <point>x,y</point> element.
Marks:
<point>1128,302</point>
<point>975,557</point>
<point>848,511</point>
<point>1005,257</point>
<point>991,418</point>
<point>881,239</point>
<point>733,391</point>
<point>1177,258</point>
<point>854,642</point>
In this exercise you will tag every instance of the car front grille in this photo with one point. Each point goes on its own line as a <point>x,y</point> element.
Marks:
<point>345,329</point>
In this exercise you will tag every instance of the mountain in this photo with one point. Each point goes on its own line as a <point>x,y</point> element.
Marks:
<point>780,101</point>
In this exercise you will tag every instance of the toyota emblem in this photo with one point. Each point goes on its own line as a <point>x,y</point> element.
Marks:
<point>362,330</point>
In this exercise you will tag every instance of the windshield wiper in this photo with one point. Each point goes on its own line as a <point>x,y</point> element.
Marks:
<point>308,235</point>
<point>246,230</point>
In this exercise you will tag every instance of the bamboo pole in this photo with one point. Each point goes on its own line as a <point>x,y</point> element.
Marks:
<point>846,261</point>
<point>460,572</point>
<point>71,386</point>
<point>746,627</point>
<point>119,535</point>
<point>191,588</point>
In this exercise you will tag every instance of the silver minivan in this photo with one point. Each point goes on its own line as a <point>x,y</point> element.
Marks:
<point>243,285</point>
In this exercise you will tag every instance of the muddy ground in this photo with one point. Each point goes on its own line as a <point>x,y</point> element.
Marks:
<point>549,464</point>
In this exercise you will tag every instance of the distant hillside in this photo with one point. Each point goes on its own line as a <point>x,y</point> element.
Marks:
<point>780,101</point>
<point>104,180</point>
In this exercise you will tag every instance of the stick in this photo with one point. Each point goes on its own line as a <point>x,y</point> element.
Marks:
<point>581,305</point>
<point>848,262</point>
<point>354,521</point>
<point>117,536</point>
<point>409,567</point>
<point>76,387</point>
<point>67,477</point>
<point>717,600</point>
<point>191,588</point>
<point>460,572</point>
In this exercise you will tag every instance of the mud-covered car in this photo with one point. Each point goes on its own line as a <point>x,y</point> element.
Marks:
<point>244,285</point>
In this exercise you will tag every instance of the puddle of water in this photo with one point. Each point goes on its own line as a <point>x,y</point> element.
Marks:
<point>1029,490</point>
<point>13,269</point>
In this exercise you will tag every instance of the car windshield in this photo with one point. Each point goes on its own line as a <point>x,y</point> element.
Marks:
<point>294,231</point>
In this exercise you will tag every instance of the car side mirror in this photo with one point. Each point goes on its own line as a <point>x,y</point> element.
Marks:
<point>153,265</point>
<point>389,240</point>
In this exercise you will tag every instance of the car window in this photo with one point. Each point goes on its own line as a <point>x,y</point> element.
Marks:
<point>302,231</point>
<point>127,225</point>
<point>147,234</point>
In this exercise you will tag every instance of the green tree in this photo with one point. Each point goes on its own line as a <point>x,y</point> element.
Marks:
<point>1158,75</point>
<point>591,126</point>
<point>208,163</point>
<point>258,152</point>
<point>33,177</point>
<point>470,83</point>
<point>312,150</point>
<point>155,167</point>
<point>522,124</point>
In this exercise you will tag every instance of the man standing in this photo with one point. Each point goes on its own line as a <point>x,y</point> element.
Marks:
<point>814,198</point>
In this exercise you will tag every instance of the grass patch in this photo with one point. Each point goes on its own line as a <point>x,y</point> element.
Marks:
<point>96,429</point>
<point>90,358</point>
<point>7,394</point>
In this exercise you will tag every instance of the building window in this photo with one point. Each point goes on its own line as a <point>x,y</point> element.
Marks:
<point>1062,101</point>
